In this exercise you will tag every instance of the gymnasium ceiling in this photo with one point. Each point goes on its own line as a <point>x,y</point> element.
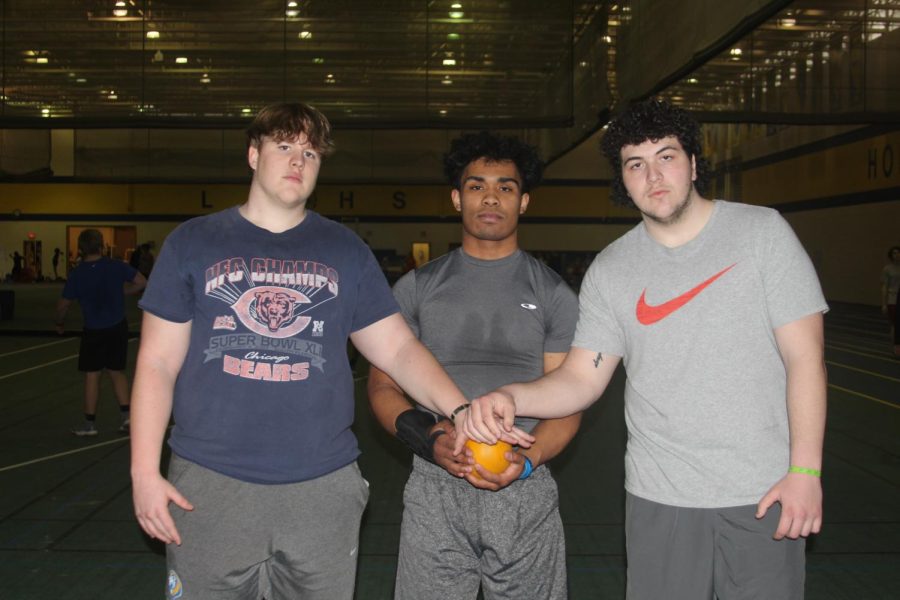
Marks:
<point>379,63</point>
<point>423,63</point>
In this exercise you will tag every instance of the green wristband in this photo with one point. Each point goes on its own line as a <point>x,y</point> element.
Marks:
<point>805,471</point>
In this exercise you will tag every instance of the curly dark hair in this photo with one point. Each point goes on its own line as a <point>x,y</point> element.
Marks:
<point>286,121</point>
<point>493,148</point>
<point>652,119</point>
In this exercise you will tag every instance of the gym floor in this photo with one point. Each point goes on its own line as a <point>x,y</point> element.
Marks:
<point>67,528</point>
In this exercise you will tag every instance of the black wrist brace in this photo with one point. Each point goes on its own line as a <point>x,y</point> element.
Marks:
<point>413,429</point>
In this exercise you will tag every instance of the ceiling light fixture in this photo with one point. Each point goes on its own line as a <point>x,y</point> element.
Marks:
<point>181,60</point>
<point>305,35</point>
<point>152,35</point>
<point>449,62</point>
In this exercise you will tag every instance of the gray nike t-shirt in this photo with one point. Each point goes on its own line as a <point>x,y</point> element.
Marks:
<point>705,397</point>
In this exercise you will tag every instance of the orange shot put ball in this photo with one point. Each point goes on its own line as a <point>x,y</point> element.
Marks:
<point>489,456</point>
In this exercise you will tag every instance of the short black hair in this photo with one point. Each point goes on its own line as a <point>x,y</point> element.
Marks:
<point>653,120</point>
<point>90,242</point>
<point>493,148</point>
<point>891,251</point>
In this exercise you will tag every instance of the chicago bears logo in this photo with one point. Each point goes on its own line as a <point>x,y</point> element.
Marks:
<point>272,311</point>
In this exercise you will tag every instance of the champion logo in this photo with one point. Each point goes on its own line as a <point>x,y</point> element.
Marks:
<point>647,314</point>
<point>528,306</point>
<point>174,589</point>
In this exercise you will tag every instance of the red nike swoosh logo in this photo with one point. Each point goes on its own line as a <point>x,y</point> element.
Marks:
<point>647,315</point>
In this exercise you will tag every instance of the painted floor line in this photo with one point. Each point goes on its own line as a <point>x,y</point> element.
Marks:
<point>2,377</point>
<point>846,348</point>
<point>61,454</point>
<point>854,341</point>
<point>37,347</point>
<point>858,370</point>
<point>863,332</point>
<point>41,366</point>
<point>867,397</point>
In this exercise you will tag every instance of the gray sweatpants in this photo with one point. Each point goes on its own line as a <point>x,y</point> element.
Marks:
<point>246,540</point>
<point>704,553</point>
<point>455,537</point>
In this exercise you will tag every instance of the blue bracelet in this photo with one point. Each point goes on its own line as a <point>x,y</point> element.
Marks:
<point>529,468</point>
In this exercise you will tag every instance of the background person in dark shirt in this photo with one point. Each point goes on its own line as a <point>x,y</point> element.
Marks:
<point>100,285</point>
<point>56,254</point>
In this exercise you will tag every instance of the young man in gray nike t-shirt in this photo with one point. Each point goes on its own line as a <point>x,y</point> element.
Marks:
<point>716,311</point>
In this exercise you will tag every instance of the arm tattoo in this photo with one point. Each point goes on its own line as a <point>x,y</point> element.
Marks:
<point>598,359</point>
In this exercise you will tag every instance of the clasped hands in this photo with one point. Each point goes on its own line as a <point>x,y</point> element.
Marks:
<point>487,419</point>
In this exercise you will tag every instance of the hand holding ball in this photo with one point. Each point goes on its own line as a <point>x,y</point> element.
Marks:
<point>490,457</point>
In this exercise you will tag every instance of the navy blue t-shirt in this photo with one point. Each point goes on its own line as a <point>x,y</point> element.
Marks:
<point>265,393</point>
<point>97,285</point>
